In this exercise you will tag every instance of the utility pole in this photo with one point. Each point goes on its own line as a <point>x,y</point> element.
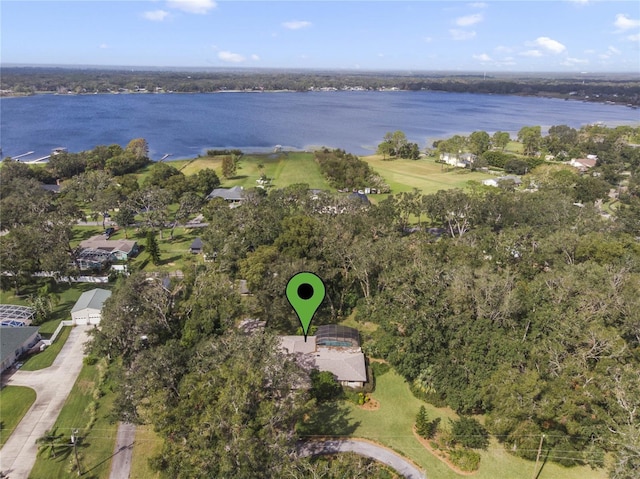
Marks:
<point>74,441</point>
<point>535,469</point>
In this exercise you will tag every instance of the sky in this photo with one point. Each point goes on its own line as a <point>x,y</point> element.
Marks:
<point>518,36</point>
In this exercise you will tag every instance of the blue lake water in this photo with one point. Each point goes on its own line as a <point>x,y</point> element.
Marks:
<point>185,125</point>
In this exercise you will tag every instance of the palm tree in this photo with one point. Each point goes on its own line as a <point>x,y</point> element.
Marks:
<point>52,442</point>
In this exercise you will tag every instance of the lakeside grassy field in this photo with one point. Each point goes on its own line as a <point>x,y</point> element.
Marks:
<point>283,169</point>
<point>425,174</point>
<point>289,168</point>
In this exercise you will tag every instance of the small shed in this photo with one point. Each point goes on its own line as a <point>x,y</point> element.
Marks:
<point>88,308</point>
<point>196,246</point>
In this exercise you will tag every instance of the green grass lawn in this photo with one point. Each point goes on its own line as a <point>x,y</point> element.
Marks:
<point>45,359</point>
<point>391,425</point>
<point>15,401</point>
<point>146,445</point>
<point>426,175</point>
<point>97,444</point>
<point>283,168</point>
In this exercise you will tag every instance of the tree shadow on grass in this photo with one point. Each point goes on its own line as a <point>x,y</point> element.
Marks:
<point>331,418</point>
<point>108,458</point>
<point>171,259</point>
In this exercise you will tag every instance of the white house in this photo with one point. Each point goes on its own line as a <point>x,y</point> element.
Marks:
<point>503,179</point>
<point>462,160</point>
<point>88,308</point>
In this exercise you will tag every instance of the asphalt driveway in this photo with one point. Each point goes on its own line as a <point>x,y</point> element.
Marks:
<point>364,448</point>
<point>52,386</point>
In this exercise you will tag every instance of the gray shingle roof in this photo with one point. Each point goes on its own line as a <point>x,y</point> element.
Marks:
<point>228,194</point>
<point>13,338</point>
<point>93,299</point>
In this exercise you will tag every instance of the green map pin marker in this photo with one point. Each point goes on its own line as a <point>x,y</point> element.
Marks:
<point>305,292</point>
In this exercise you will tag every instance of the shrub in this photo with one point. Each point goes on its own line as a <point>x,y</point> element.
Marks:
<point>470,433</point>
<point>465,459</point>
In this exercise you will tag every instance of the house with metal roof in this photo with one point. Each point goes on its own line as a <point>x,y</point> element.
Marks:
<point>14,342</point>
<point>120,249</point>
<point>88,308</point>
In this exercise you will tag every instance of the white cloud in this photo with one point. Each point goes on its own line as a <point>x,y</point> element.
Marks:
<point>296,24</point>
<point>482,57</point>
<point>503,49</point>
<point>462,34</point>
<point>427,39</point>
<point>550,45</point>
<point>531,53</point>
<point>193,6</point>
<point>103,46</point>
<point>469,20</point>
<point>255,57</point>
<point>230,57</point>
<point>623,22</point>
<point>569,61</point>
<point>155,15</point>
<point>634,38</point>
<point>579,2</point>
<point>478,5</point>
<point>614,50</point>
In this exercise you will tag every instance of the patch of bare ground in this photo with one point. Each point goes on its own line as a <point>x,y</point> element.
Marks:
<point>370,405</point>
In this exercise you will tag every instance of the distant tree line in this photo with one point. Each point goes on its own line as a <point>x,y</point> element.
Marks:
<point>23,80</point>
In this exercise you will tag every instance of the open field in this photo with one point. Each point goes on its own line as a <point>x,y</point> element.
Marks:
<point>424,174</point>
<point>97,442</point>
<point>391,426</point>
<point>15,401</point>
<point>283,168</point>
<point>286,169</point>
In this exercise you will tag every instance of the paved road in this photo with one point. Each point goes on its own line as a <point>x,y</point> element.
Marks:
<point>121,459</point>
<point>52,386</point>
<point>364,448</point>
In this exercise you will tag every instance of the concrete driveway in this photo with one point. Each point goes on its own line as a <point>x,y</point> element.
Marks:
<point>364,448</point>
<point>52,386</point>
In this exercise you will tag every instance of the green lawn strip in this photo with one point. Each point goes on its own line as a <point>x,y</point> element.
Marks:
<point>391,425</point>
<point>15,401</point>
<point>97,442</point>
<point>45,359</point>
<point>147,444</point>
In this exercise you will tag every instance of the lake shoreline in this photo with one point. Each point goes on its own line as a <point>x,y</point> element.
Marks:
<point>319,90</point>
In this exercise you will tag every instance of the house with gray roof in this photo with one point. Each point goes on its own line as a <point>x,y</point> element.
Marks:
<point>88,308</point>
<point>14,342</point>
<point>234,196</point>
<point>121,249</point>
<point>341,358</point>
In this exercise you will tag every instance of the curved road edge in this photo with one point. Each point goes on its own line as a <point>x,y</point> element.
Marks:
<point>365,448</point>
